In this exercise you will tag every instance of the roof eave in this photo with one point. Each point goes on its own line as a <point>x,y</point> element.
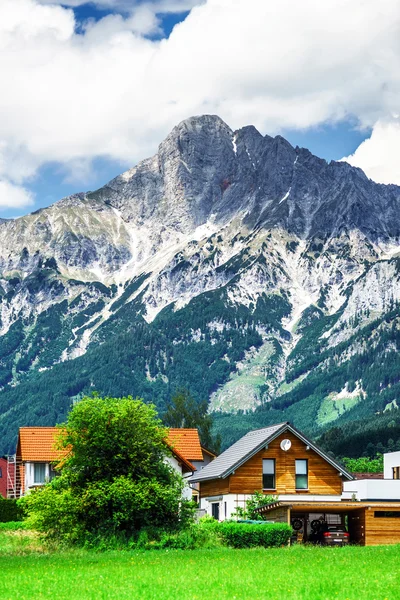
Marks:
<point>328,459</point>
<point>244,459</point>
<point>285,426</point>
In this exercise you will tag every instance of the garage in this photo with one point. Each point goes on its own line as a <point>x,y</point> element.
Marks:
<point>368,524</point>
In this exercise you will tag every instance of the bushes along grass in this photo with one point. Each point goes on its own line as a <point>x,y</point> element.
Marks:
<point>249,535</point>
<point>9,510</point>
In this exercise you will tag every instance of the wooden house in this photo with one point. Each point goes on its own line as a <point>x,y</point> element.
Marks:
<point>307,483</point>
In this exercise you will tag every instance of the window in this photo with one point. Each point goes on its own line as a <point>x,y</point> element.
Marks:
<point>52,473</point>
<point>396,472</point>
<point>387,514</point>
<point>1,472</point>
<point>39,473</point>
<point>302,474</point>
<point>268,473</point>
<point>215,510</point>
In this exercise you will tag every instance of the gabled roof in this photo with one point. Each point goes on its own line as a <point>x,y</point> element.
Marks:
<point>251,443</point>
<point>37,444</point>
<point>186,442</point>
<point>209,452</point>
<point>186,464</point>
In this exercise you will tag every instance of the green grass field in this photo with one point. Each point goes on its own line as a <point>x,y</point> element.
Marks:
<point>28,572</point>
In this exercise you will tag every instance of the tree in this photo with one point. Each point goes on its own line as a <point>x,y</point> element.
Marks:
<point>249,511</point>
<point>114,478</point>
<point>185,412</point>
<point>364,464</point>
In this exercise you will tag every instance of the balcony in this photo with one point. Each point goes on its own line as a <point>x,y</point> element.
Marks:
<point>383,490</point>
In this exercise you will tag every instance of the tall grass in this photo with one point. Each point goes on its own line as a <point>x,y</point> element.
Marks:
<point>297,573</point>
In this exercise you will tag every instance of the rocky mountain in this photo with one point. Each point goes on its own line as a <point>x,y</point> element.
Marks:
<point>253,273</point>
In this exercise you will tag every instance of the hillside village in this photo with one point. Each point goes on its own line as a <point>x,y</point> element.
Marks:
<point>305,487</point>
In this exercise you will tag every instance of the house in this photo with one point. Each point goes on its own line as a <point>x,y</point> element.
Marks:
<point>187,442</point>
<point>391,465</point>
<point>34,458</point>
<point>309,485</point>
<point>3,476</point>
<point>36,454</point>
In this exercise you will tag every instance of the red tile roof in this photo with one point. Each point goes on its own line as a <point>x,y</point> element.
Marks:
<point>37,444</point>
<point>186,464</point>
<point>368,475</point>
<point>186,442</point>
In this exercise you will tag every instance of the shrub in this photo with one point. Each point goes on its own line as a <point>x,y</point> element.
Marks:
<point>10,511</point>
<point>247,535</point>
<point>257,500</point>
<point>114,479</point>
<point>12,526</point>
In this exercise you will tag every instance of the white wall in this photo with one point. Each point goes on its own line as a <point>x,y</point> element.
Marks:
<point>390,460</point>
<point>29,474</point>
<point>229,502</point>
<point>187,490</point>
<point>372,489</point>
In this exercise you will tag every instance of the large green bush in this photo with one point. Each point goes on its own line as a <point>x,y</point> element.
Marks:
<point>10,511</point>
<point>114,480</point>
<point>247,535</point>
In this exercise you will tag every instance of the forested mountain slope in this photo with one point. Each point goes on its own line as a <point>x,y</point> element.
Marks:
<point>248,271</point>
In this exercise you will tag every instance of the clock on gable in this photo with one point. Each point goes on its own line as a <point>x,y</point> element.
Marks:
<point>286,445</point>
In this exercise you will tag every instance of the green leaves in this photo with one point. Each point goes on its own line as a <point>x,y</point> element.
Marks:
<point>247,535</point>
<point>364,464</point>
<point>114,479</point>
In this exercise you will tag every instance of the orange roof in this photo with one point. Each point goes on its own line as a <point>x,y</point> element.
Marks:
<point>37,444</point>
<point>186,465</point>
<point>186,442</point>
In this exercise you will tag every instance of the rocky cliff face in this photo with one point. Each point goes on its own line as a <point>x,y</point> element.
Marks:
<point>257,246</point>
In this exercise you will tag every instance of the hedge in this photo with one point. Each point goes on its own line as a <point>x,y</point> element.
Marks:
<point>246,535</point>
<point>10,511</point>
<point>12,526</point>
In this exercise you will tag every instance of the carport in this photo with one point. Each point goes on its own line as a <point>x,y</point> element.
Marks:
<point>302,517</point>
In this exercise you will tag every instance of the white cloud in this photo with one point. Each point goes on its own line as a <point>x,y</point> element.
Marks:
<point>69,96</point>
<point>13,196</point>
<point>165,6</point>
<point>379,155</point>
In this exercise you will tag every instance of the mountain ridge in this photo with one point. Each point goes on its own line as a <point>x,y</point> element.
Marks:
<point>267,241</point>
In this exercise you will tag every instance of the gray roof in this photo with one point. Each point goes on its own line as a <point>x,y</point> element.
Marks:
<point>251,443</point>
<point>233,457</point>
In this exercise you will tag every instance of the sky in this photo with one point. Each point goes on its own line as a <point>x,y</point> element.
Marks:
<point>88,89</point>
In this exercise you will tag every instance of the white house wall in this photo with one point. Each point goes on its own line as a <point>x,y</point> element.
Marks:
<point>372,489</point>
<point>29,474</point>
<point>187,490</point>
<point>390,460</point>
<point>229,502</point>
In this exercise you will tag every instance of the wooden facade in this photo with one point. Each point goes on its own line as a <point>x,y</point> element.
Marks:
<point>368,524</point>
<point>323,478</point>
<point>381,525</point>
<point>214,487</point>
<point>223,490</point>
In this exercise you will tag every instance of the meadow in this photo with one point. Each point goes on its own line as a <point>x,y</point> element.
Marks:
<point>29,571</point>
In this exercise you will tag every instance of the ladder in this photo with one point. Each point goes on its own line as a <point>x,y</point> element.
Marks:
<point>13,490</point>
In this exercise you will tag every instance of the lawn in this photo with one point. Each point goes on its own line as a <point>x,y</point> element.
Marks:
<point>308,573</point>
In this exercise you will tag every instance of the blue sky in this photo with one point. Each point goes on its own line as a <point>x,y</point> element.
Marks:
<point>87,94</point>
<point>328,141</point>
<point>331,142</point>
